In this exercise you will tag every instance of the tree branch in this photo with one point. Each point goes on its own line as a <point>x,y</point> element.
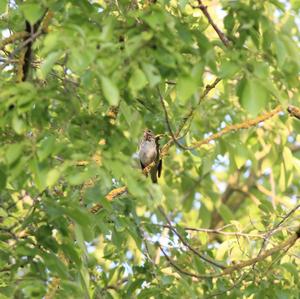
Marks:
<point>12,38</point>
<point>201,256</point>
<point>287,243</point>
<point>221,35</point>
<point>239,266</point>
<point>191,112</point>
<point>110,196</point>
<point>31,38</point>
<point>174,138</point>
<point>269,234</point>
<point>221,232</point>
<point>184,272</point>
<point>244,125</point>
<point>294,111</point>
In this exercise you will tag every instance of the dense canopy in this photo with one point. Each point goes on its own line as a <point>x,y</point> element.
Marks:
<point>217,80</point>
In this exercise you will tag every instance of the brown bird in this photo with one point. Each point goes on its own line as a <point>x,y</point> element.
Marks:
<point>149,152</point>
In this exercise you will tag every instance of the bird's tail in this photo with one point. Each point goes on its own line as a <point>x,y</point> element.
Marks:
<point>153,173</point>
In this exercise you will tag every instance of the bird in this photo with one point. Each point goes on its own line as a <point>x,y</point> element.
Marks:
<point>149,152</point>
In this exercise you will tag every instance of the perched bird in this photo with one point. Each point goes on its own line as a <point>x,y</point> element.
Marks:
<point>149,152</point>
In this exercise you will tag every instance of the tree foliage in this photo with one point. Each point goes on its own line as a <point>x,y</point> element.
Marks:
<point>79,82</point>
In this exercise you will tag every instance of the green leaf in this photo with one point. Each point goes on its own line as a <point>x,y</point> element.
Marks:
<point>48,63</point>
<point>13,152</point>
<point>278,4</point>
<point>70,251</point>
<point>186,87</point>
<point>52,42</point>
<point>79,177</point>
<point>54,264</point>
<point>46,147</point>
<point>292,49</point>
<point>155,19</point>
<point>292,269</point>
<point>18,125</point>
<point>266,205</point>
<point>199,265</point>
<point>295,4</point>
<point>52,177</point>
<point>254,96</point>
<point>79,215</point>
<point>79,60</point>
<point>229,22</point>
<point>240,155</point>
<point>226,214</point>
<point>110,90</point>
<point>3,6</point>
<point>229,69</point>
<point>183,3</point>
<point>39,174</point>
<point>32,12</point>
<point>117,238</point>
<point>204,216</point>
<point>2,177</point>
<point>137,80</point>
<point>280,51</point>
<point>288,159</point>
<point>224,249</point>
<point>133,286</point>
<point>152,74</point>
<point>282,178</point>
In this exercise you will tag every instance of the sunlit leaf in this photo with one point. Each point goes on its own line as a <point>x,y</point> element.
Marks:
<point>110,90</point>
<point>254,96</point>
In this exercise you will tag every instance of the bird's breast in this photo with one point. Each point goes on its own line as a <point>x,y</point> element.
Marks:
<point>147,153</point>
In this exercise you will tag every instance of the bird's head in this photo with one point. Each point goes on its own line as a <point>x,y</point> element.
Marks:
<point>148,134</point>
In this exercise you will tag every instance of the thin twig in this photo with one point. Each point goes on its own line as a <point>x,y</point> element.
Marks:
<point>220,232</point>
<point>221,35</point>
<point>287,243</point>
<point>168,123</point>
<point>201,256</point>
<point>230,288</point>
<point>188,116</point>
<point>172,263</point>
<point>269,234</point>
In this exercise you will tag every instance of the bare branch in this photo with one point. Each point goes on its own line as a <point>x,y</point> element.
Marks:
<point>110,196</point>
<point>269,234</point>
<point>244,125</point>
<point>287,243</point>
<point>184,272</point>
<point>169,125</point>
<point>201,256</point>
<point>191,112</point>
<point>294,111</point>
<point>29,40</point>
<point>221,35</point>
<point>220,232</point>
<point>234,285</point>
<point>12,38</point>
